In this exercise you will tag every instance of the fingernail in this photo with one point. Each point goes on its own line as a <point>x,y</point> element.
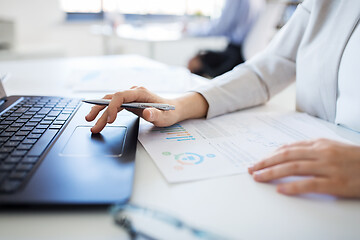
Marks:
<point>108,119</point>
<point>258,176</point>
<point>282,189</point>
<point>151,115</point>
<point>251,169</point>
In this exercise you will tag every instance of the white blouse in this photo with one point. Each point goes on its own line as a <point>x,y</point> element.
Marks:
<point>348,101</point>
<point>318,47</point>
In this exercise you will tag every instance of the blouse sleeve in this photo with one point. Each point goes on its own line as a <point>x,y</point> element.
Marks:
<point>258,79</point>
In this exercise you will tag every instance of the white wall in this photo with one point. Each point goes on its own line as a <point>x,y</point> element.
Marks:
<point>41,31</point>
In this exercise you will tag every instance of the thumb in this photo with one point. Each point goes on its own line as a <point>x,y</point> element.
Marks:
<point>156,116</point>
<point>151,114</point>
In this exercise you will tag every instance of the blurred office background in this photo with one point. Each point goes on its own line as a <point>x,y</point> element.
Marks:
<point>33,29</point>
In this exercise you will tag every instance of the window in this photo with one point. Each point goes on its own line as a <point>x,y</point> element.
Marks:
<point>96,8</point>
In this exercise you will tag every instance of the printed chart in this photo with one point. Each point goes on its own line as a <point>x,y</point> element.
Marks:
<point>199,149</point>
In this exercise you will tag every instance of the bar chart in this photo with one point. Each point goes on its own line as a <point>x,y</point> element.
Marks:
<point>175,132</point>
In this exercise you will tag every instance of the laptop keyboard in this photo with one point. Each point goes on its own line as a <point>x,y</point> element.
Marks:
<point>26,130</point>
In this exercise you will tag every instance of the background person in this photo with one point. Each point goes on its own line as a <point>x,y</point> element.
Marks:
<point>236,20</point>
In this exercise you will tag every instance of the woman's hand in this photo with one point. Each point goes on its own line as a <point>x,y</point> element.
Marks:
<point>334,167</point>
<point>191,105</point>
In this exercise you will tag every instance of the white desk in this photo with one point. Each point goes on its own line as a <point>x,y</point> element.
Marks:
<point>235,206</point>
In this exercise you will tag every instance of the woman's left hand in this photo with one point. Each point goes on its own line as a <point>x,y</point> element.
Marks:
<point>334,167</point>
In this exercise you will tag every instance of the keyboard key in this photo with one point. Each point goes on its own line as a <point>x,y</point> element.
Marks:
<point>38,130</point>
<point>11,118</point>
<point>5,167</point>
<point>6,122</point>
<point>62,117</point>
<point>39,105</point>
<point>6,149</point>
<point>12,129</point>
<point>42,126</point>
<point>21,120</point>
<point>10,185</point>
<point>29,114</point>
<point>34,135</point>
<point>39,116</point>
<point>13,159</point>
<point>12,144</point>
<point>66,112</point>
<point>53,113</point>
<point>43,142</point>
<point>44,111</point>
<point>34,109</point>
<point>25,146</point>
<point>3,156</point>
<point>24,167</point>
<point>3,139</point>
<point>22,133</point>
<point>16,114</point>
<point>55,126</point>
<point>45,122</point>
<point>26,128</point>
<point>17,138</point>
<point>25,116</point>
<point>18,175</point>
<point>30,159</point>
<point>35,119</point>
<point>22,110</point>
<point>19,153</point>
<point>59,122</point>
<point>3,175</point>
<point>17,124</point>
<point>31,124</point>
<point>49,118</point>
<point>6,134</point>
<point>29,141</point>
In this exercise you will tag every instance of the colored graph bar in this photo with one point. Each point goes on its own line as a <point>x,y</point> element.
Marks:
<point>175,133</point>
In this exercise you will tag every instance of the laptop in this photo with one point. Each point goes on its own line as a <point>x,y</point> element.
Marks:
<point>48,156</point>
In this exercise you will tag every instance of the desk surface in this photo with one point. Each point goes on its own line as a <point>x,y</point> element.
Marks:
<point>235,206</point>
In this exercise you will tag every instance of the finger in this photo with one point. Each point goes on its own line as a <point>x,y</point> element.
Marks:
<point>138,112</point>
<point>96,109</point>
<point>297,168</point>
<point>313,185</point>
<point>101,123</point>
<point>133,87</point>
<point>306,143</point>
<point>119,98</point>
<point>94,112</point>
<point>294,153</point>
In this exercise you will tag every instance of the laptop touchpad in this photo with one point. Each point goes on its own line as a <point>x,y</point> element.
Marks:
<point>110,142</point>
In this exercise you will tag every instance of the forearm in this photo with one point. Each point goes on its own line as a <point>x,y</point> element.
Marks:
<point>191,105</point>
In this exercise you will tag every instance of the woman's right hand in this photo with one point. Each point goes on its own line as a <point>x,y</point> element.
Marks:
<point>183,109</point>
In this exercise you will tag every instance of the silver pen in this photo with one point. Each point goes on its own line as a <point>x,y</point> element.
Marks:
<point>105,102</point>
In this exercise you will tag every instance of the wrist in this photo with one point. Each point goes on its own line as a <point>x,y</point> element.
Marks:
<point>191,105</point>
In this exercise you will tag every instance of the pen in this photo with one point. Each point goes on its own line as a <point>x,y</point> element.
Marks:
<point>161,106</point>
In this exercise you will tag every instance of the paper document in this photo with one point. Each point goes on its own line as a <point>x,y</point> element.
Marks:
<point>229,144</point>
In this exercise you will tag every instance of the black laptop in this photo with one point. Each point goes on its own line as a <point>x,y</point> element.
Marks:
<point>48,156</point>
